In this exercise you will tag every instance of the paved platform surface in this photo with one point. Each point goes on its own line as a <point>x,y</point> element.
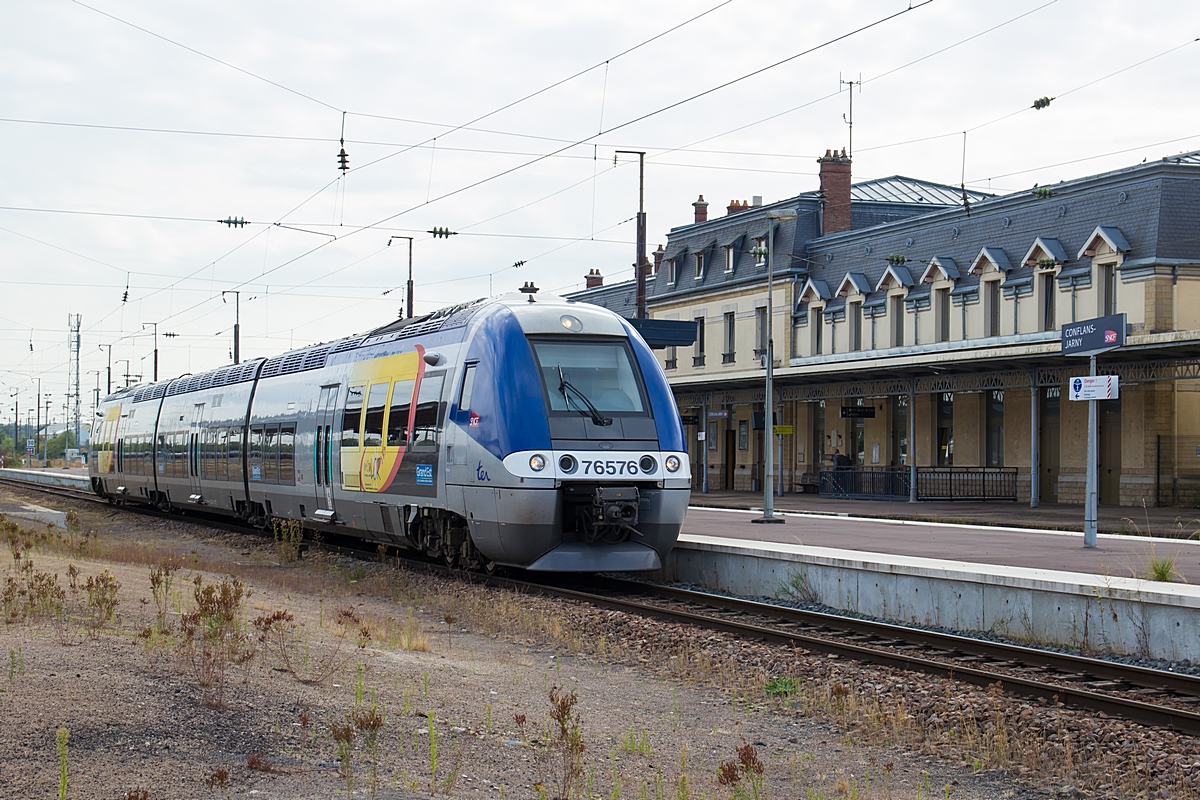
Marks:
<point>1116,556</point>
<point>1168,522</point>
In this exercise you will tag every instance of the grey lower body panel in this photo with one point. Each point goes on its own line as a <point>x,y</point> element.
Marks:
<point>577,557</point>
<point>524,528</point>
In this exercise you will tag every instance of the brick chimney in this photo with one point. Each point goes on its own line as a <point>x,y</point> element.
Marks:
<point>594,279</point>
<point>701,209</point>
<point>735,206</point>
<point>835,192</point>
<point>658,258</point>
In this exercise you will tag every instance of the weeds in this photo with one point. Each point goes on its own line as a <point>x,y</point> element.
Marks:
<point>210,639</point>
<point>781,686</point>
<point>289,534</point>
<point>567,741</point>
<point>433,755</point>
<point>61,741</point>
<point>343,742</point>
<point>744,776</point>
<point>799,587</point>
<point>218,780</point>
<point>258,761</point>
<point>369,723</point>
<point>632,743</point>
<point>102,601</point>
<point>162,579</point>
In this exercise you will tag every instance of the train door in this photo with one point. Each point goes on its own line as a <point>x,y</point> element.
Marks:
<point>195,434</point>
<point>373,474</point>
<point>323,447</point>
<point>1048,445</point>
<point>351,435</point>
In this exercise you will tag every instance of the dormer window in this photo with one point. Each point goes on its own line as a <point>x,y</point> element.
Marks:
<point>729,258</point>
<point>760,254</point>
<point>700,266</point>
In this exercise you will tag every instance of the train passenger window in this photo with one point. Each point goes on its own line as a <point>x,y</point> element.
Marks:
<point>352,416</point>
<point>270,470</point>
<point>233,454</point>
<point>468,386</point>
<point>255,452</point>
<point>376,403</point>
<point>429,405</point>
<point>222,463</point>
<point>287,457</point>
<point>397,427</point>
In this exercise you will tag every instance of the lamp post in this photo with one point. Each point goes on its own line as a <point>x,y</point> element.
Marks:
<point>768,516</point>
<point>408,302</point>
<point>638,268</point>
<point>154,325</point>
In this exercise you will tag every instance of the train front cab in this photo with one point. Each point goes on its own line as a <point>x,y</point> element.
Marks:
<point>572,490</point>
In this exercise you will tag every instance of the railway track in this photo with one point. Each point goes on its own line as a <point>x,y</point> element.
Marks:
<point>1147,696</point>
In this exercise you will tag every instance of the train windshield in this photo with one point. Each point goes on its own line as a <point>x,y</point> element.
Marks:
<point>587,377</point>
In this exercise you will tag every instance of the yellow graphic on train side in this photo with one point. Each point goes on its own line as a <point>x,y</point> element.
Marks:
<point>105,445</point>
<point>378,419</point>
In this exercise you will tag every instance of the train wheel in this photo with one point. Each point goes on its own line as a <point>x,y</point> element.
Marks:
<point>489,566</point>
<point>450,557</point>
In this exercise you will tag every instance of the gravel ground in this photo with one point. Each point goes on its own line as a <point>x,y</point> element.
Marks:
<point>659,707</point>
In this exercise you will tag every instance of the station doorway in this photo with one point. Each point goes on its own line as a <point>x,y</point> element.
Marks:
<point>1108,450</point>
<point>1048,417</point>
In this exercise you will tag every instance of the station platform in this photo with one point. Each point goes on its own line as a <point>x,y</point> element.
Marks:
<point>73,478</point>
<point>1030,585</point>
<point>1001,545</point>
<point>1167,522</point>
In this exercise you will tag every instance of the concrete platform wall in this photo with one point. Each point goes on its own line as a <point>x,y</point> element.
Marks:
<point>1095,613</point>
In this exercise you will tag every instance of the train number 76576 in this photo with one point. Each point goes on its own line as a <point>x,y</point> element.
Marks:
<point>609,467</point>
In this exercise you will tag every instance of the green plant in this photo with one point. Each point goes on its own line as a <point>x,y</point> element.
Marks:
<point>16,662</point>
<point>1161,569</point>
<point>433,754</point>
<point>799,587</point>
<point>289,534</point>
<point>781,685</point>
<point>61,741</point>
<point>568,739</point>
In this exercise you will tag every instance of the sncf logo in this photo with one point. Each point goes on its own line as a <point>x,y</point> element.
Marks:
<point>1110,337</point>
<point>474,423</point>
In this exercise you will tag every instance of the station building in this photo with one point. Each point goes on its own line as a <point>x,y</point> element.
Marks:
<point>919,324</point>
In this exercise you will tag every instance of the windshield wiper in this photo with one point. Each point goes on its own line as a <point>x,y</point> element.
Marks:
<point>564,385</point>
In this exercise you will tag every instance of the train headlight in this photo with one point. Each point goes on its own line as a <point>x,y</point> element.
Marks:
<point>568,464</point>
<point>648,464</point>
<point>572,324</point>
<point>672,463</point>
<point>537,463</point>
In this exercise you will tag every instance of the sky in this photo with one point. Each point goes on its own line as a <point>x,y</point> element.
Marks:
<point>131,128</point>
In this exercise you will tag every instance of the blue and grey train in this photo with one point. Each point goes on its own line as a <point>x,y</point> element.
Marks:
<point>520,431</point>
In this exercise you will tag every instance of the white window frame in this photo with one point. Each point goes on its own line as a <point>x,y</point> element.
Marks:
<point>700,266</point>
<point>730,259</point>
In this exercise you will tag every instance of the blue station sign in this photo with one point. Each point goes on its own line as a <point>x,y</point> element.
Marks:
<point>1093,336</point>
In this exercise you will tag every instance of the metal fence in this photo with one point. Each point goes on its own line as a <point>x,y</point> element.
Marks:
<point>866,483</point>
<point>933,483</point>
